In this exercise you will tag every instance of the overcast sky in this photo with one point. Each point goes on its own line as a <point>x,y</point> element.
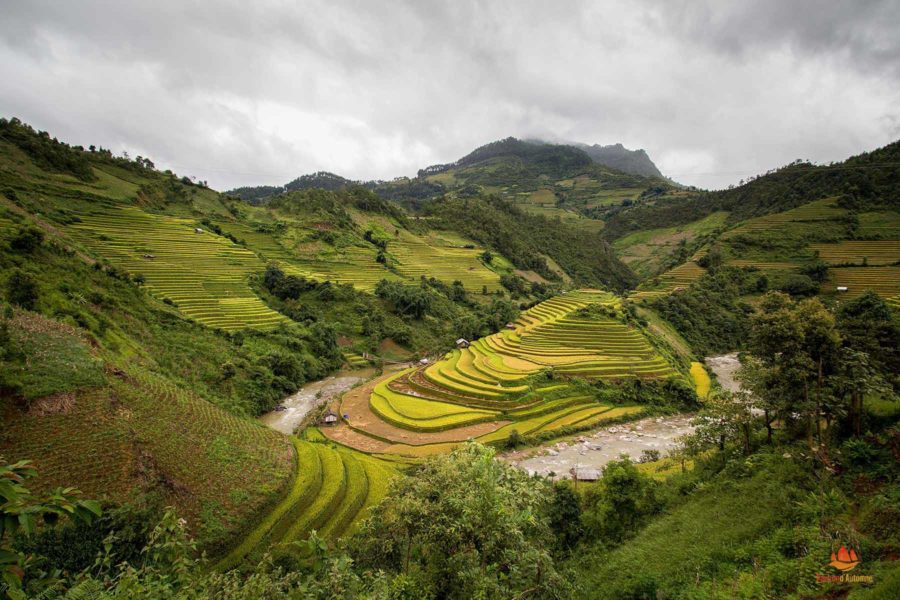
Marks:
<point>244,93</point>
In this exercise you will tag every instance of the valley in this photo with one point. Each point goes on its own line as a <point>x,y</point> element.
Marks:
<point>168,345</point>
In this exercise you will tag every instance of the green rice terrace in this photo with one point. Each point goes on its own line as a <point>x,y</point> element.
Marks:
<point>515,380</point>
<point>332,489</point>
<point>858,250</point>
<point>205,275</point>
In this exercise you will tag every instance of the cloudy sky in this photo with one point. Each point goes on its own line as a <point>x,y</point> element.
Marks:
<point>243,93</point>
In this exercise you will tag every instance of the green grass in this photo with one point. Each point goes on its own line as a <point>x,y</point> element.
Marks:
<point>54,358</point>
<point>726,528</point>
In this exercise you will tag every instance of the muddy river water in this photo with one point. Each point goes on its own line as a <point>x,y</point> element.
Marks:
<point>310,396</point>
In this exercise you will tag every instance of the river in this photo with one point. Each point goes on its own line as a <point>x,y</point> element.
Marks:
<point>310,396</point>
<point>725,367</point>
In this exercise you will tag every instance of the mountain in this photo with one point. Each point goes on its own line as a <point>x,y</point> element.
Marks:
<point>826,230</point>
<point>568,181</point>
<point>617,156</point>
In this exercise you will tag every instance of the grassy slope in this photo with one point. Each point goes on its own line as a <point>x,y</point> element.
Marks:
<point>759,528</point>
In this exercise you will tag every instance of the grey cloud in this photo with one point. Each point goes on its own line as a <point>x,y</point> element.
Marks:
<point>242,93</point>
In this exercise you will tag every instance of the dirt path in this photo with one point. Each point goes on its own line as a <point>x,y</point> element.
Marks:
<point>593,450</point>
<point>355,404</point>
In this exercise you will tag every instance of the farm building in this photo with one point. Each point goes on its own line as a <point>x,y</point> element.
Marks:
<point>842,288</point>
<point>462,343</point>
<point>197,230</point>
<point>330,418</point>
<point>510,326</point>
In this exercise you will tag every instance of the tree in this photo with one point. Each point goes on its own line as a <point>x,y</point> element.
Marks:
<point>763,386</point>
<point>21,512</point>
<point>487,257</point>
<point>620,502</point>
<point>565,517</point>
<point>464,526</point>
<point>728,415</point>
<point>797,343</point>
<point>27,240</point>
<point>867,325</point>
<point>22,290</point>
<point>857,376</point>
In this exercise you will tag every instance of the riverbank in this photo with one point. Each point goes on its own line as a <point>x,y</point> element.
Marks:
<point>594,450</point>
<point>295,407</point>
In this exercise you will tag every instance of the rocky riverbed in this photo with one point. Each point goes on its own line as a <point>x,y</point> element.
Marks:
<point>593,450</point>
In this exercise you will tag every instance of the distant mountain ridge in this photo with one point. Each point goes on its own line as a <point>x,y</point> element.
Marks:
<point>555,160</point>
<point>617,156</point>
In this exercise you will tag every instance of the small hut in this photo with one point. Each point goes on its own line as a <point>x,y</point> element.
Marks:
<point>585,474</point>
<point>330,418</point>
<point>423,361</point>
<point>510,326</point>
<point>462,343</point>
<point>842,288</point>
<point>197,230</point>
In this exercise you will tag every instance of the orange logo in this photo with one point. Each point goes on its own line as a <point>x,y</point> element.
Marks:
<point>845,560</point>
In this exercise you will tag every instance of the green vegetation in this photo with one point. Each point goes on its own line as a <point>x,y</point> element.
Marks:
<point>146,319</point>
<point>527,239</point>
<point>710,314</point>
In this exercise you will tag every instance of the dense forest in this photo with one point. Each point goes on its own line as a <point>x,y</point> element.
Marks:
<point>869,179</point>
<point>497,223</point>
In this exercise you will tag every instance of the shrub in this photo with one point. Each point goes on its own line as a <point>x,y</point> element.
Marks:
<point>22,290</point>
<point>27,240</point>
<point>801,286</point>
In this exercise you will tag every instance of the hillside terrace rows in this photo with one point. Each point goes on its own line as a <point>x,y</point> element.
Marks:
<point>490,384</point>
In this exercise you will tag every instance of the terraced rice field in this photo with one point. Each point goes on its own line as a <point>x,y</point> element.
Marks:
<point>355,360</point>
<point>447,263</point>
<point>814,212</point>
<point>354,265</point>
<point>142,426</point>
<point>203,273</point>
<point>679,277</point>
<point>439,256</point>
<point>884,281</point>
<point>875,253</point>
<point>332,490</point>
<point>489,389</point>
<point>763,265</point>
<point>702,382</point>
